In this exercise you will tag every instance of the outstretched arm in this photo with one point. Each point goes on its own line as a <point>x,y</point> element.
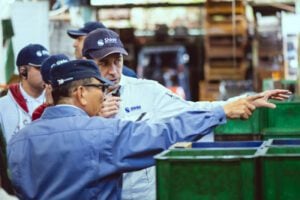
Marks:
<point>277,94</point>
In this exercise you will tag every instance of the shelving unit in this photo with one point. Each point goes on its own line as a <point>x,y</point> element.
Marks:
<point>225,42</point>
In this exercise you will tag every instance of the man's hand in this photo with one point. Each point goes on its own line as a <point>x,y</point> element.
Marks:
<point>110,106</point>
<point>277,94</point>
<point>241,108</point>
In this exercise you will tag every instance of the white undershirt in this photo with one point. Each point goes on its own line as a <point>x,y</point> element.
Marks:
<point>32,103</point>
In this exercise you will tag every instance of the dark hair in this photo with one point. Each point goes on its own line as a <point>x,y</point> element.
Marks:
<point>65,90</point>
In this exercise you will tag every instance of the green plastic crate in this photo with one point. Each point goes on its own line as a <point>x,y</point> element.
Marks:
<point>239,126</point>
<point>282,122</point>
<point>206,174</point>
<point>285,116</point>
<point>281,173</point>
<point>270,133</point>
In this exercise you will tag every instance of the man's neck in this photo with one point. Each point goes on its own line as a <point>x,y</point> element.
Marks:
<point>35,93</point>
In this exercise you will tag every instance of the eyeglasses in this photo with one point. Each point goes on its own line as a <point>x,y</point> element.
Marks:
<point>100,86</point>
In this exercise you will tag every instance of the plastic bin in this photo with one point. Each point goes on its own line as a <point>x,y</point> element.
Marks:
<point>228,144</point>
<point>285,116</point>
<point>206,174</point>
<point>238,129</point>
<point>270,133</point>
<point>285,142</point>
<point>281,172</point>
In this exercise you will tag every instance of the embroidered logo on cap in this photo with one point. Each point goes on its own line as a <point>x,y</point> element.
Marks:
<point>62,81</point>
<point>110,40</point>
<point>41,53</point>
<point>58,63</point>
<point>100,43</point>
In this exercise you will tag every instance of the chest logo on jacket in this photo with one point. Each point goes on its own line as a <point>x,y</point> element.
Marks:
<point>133,108</point>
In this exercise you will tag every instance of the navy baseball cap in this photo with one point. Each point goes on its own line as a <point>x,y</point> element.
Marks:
<point>76,70</point>
<point>87,28</point>
<point>101,43</point>
<point>32,54</point>
<point>51,62</point>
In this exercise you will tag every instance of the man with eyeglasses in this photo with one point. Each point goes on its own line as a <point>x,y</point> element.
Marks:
<point>142,99</point>
<point>71,153</point>
<point>22,99</point>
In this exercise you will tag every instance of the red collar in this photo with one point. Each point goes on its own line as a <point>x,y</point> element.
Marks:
<point>17,95</point>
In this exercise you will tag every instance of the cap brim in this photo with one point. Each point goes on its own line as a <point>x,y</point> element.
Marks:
<point>38,63</point>
<point>75,33</point>
<point>102,53</point>
<point>105,81</point>
<point>35,65</point>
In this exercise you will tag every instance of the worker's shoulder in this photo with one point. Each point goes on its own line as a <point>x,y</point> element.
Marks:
<point>140,82</point>
<point>5,100</point>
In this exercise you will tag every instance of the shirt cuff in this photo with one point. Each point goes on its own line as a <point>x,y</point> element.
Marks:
<point>220,114</point>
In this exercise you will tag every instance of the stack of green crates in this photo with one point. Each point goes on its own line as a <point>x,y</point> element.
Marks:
<point>207,173</point>
<point>238,129</point>
<point>283,121</point>
<point>251,170</point>
<point>281,170</point>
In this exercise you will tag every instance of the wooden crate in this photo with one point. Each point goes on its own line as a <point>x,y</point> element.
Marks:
<point>224,52</point>
<point>225,70</point>
<point>224,7</point>
<point>239,27</point>
<point>208,91</point>
<point>229,40</point>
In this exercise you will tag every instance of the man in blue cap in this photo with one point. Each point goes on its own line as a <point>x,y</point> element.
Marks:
<point>143,99</point>
<point>70,153</point>
<point>79,36</point>
<point>22,99</point>
<point>46,67</point>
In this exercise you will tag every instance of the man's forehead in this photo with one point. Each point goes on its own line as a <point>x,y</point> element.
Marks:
<point>111,56</point>
<point>94,80</point>
<point>81,38</point>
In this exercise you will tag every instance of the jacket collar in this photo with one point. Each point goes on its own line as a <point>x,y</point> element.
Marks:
<point>17,95</point>
<point>63,110</point>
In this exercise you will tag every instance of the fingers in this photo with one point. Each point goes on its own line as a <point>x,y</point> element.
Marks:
<point>250,106</point>
<point>110,106</point>
<point>283,91</point>
<point>280,97</point>
<point>108,113</point>
<point>277,94</point>
<point>241,108</point>
<point>255,97</point>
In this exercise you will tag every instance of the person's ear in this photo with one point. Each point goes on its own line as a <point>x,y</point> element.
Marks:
<point>23,71</point>
<point>81,95</point>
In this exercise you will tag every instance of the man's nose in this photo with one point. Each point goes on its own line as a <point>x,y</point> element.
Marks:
<point>113,69</point>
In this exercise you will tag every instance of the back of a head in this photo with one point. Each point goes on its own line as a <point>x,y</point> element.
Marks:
<point>51,62</point>
<point>86,29</point>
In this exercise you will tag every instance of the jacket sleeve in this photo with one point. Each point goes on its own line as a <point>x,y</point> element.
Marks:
<point>168,104</point>
<point>135,143</point>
